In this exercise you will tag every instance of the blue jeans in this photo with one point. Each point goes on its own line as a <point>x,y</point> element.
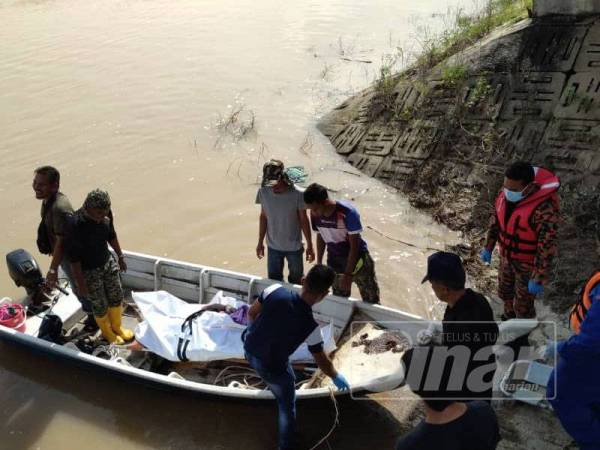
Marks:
<point>275,259</point>
<point>283,387</point>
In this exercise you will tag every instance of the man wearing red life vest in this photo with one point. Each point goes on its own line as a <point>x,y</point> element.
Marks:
<point>524,224</point>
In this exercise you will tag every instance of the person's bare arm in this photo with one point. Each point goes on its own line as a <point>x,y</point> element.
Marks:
<point>57,257</point>
<point>305,225</point>
<point>82,290</point>
<point>354,241</point>
<point>320,249</point>
<point>325,364</point>
<point>262,232</point>
<point>114,243</point>
<point>254,311</point>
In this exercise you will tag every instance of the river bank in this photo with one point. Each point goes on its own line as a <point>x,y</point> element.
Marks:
<point>443,131</point>
<point>498,87</point>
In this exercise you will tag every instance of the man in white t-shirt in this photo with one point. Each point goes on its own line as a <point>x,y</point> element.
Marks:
<point>282,221</point>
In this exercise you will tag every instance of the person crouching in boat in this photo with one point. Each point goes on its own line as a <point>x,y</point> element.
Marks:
<point>96,272</point>
<point>281,320</point>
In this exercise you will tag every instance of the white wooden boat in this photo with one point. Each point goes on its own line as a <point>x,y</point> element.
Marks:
<point>195,283</point>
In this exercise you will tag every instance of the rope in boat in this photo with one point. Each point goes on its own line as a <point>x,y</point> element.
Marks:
<point>244,374</point>
<point>244,369</point>
<point>336,421</point>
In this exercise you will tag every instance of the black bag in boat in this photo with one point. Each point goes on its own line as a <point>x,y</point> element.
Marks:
<point>51,329</point>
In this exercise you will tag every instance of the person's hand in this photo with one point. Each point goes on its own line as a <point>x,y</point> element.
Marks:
<point>535,288</point>
<point>310,254</point>
<point>548,351</point>
<point>340,382</point>
<point>260,250</point>
<point>122,264</point>
<point>51,279</point>
<point>346,283</point>
<point>486,256</point>
<point>424,337</point>
<point>431,335</point>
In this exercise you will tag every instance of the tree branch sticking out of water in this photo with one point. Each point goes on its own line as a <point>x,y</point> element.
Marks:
<point>306,145</point>
<point>238,124</point>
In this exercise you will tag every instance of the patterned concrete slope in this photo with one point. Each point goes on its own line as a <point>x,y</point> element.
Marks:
<point>528,91</point>
<point>543,83</point>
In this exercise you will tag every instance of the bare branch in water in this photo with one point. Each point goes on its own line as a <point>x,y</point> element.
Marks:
<point>238,124</point>
<point>365,61</point>
<point>306,145</point>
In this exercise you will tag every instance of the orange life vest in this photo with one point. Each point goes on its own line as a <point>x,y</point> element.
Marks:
<point>517,239</point>
<point>580,308</point>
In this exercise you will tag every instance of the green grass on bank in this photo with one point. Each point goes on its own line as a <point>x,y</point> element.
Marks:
<point>469,29</point>
<point>464,32</point>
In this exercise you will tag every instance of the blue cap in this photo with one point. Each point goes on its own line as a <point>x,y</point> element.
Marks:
<point>445,266</point>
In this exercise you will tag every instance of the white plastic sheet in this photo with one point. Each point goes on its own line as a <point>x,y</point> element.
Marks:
<point>215,336</point>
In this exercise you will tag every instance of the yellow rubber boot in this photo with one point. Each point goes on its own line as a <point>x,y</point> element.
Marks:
<point>114,315</point>
<point>104,325</point>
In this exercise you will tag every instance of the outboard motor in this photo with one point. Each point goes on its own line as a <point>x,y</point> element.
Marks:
<point>25,271</point>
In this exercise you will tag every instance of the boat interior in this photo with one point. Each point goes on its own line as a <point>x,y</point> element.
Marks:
<point>368,338</point>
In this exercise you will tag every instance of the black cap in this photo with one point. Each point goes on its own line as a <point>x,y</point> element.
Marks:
<point>445,266</point>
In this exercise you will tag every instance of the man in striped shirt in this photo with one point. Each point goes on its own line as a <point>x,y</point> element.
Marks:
<point>338,228</point>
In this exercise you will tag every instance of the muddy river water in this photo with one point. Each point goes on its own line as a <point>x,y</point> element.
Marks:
<point>134,97</point>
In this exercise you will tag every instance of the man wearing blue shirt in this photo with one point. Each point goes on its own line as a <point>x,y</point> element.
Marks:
<point>281,320</point>
<point>338,228</point>
<point>573,388</point>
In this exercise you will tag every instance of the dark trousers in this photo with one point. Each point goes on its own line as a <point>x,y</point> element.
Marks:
<point>365,277</point>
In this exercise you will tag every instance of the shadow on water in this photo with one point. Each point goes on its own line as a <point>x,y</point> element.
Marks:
<point>35,390</point>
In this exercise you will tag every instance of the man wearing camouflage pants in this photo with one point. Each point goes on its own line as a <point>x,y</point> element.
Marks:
<point>94,268</point>
<point>338,228</point>
<point>524,224</point>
